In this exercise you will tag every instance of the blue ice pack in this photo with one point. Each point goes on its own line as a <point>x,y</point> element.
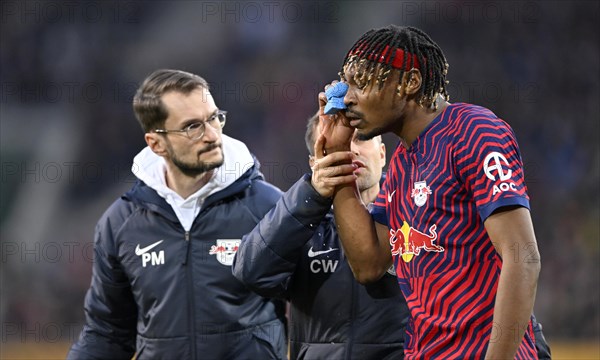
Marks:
<point>335,98</point>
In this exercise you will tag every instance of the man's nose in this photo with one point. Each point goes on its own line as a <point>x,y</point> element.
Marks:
<point>211,134</point>
<point>349,98</point>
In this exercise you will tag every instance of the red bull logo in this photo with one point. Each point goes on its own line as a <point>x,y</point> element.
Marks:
<point>408,241</point>
<point>221,249</point>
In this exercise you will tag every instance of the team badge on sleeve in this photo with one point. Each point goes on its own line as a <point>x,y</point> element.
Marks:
<point>420,192</point>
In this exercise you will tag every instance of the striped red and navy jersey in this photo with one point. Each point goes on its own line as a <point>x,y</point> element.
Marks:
<point>437,195</point>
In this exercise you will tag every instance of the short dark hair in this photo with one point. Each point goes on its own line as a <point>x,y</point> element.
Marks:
<point>401,48</point>
<point>147,104</point>
<point>309,137</point>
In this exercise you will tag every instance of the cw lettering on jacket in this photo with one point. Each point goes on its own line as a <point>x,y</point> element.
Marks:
<point>322,265</point>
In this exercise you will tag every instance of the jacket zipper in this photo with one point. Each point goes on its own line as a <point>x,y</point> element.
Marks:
<point>187,249</point>
<point>190,293</point>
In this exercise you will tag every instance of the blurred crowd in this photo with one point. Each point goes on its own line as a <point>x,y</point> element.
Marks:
<point>68,134</point>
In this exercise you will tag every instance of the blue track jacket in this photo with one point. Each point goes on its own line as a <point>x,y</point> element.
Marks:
<point>166,293</point>
<point>295,253</point>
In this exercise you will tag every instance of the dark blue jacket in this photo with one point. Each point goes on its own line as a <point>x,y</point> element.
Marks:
<point>169,294</point>
<point>295,253</point>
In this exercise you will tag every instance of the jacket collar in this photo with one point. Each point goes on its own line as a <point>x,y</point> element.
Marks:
<point>238,170</point>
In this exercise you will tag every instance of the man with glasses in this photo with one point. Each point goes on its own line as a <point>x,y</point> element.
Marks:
<point>162,283</point>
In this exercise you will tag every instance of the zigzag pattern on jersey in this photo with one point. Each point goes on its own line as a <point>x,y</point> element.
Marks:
<point>451,293</point>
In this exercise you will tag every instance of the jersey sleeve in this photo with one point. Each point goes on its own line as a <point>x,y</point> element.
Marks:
<point>489,163</point>
<point>378,209</point>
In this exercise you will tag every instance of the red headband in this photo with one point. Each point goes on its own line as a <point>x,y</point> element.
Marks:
<point>385,56</point>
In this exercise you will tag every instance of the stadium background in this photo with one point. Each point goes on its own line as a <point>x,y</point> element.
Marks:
<point>68,134</point>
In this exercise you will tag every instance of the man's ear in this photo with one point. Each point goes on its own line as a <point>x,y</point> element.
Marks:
<point>382,154</point>
<point>311,161</point>
<point>156,143</point>
<point>412,81</point>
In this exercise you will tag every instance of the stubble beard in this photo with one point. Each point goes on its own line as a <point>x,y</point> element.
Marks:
<point>198,168</point>
<point>365,182</point>
<point>371,134</point>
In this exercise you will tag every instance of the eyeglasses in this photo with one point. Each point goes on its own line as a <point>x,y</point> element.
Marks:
<point>196,130</point>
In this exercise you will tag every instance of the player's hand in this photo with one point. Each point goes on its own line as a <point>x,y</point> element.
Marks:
<point>331,170</point>
<point>336,128</point>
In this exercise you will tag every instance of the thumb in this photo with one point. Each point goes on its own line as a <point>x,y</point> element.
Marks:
<point>322,102</point>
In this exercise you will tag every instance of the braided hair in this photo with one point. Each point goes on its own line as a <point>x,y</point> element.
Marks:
<point>379,51</point>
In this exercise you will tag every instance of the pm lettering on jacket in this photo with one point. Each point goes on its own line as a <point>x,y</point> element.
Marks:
<point>155,258</point>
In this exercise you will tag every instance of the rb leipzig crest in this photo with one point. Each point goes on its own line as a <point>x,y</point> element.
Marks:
<point>420,192</point>
<point>225,250</point>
